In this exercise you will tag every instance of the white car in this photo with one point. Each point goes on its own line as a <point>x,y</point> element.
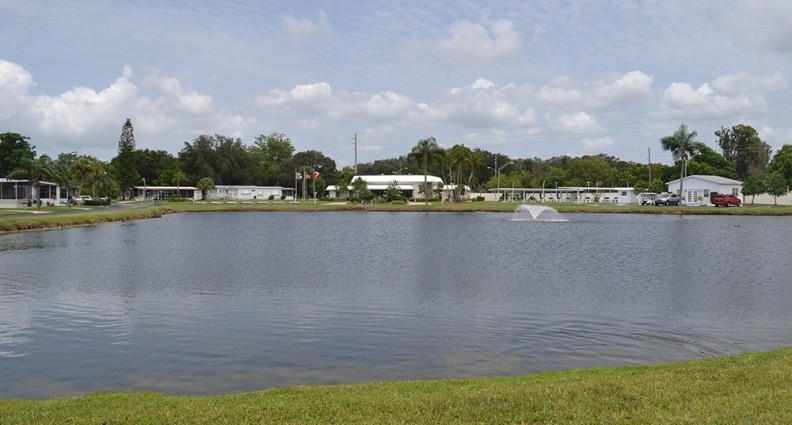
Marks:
<point>84,198</point>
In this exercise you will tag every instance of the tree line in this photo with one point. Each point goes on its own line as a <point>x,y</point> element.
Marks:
<point>272,160</point>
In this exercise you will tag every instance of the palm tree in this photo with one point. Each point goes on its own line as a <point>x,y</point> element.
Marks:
<point>460,157</point>
<point>425,151</point>
<point>34,170</point>
<point>682,144</point>
<point>87,170</point>
<point>177,177</point>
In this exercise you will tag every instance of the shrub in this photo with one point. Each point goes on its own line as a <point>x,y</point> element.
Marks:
<point>272,197</point>
<point>283,197</point>
<point>354,199</point>
<point>399,202</point>
<point>176,198</point>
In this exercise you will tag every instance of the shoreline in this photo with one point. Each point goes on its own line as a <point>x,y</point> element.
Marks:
<point>741,388</point>
<point>56,219</point>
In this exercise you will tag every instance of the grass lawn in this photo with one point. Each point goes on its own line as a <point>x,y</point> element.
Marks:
<point>748,388</point>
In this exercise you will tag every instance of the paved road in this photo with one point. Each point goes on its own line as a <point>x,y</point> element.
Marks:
<point>63,210</point>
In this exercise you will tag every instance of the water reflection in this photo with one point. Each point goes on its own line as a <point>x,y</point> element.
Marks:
<point>210,303</point>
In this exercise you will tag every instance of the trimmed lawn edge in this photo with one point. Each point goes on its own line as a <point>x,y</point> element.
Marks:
<point>744,388</point>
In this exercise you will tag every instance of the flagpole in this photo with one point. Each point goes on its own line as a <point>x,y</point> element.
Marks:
<point>296,173</point>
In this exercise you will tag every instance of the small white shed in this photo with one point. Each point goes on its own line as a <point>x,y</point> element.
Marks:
<point>699,188</point>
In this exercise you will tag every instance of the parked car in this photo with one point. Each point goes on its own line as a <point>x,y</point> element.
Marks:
<point>725,199</point>
<point>646,198</point>
<point>667,199</point>
<point>84,198</point>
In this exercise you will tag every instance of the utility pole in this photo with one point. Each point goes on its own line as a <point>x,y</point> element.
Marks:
<point>650,166</point>
<point>355,153</point>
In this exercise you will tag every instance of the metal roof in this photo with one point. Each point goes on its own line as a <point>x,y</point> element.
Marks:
<point>400,178</point>
<point>713,179</point>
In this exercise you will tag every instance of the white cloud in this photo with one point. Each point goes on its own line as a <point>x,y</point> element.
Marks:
<point>743,83</point>
<point>621,91</point>
<point>303,30</point>
<point>771,29</point>
<point>470,41</point>
<point>181,98</point>
<point>89,121</point>
<point>598,144</point>
<point>579,122</point>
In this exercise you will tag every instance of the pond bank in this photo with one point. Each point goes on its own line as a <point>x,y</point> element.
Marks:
<point>57,218</point>
<point>745,388</point>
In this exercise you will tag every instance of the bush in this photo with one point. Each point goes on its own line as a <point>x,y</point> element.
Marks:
<point>283,197</point>
<point>399,202</point>
<point>176,198</point>
<point>92,203</point>
<point>478,199</point>
<point>354,199</point>
<point>271,197</point>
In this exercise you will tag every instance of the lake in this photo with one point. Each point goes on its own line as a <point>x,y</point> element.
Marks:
<point>227,302</point>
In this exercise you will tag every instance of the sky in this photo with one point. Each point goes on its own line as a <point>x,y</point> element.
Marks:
<point>522,78</point>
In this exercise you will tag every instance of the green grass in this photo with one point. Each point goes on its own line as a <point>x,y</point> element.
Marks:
<point>19,220</point>
<point>749,388</point>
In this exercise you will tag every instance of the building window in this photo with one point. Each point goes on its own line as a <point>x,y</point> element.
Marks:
<point>735,191</point>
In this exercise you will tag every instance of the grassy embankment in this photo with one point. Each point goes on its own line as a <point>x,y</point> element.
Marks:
<point>749,388</point>
<point>18,220</point>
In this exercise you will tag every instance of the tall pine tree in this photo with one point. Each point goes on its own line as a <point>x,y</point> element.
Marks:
<point>126,169</point>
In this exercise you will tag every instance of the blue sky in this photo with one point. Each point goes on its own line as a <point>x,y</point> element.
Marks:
<point>527,79</point>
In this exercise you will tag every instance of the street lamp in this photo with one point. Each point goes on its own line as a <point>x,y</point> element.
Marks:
<point>543,183</point>
<point>498,174</point>
<point>143,198</point>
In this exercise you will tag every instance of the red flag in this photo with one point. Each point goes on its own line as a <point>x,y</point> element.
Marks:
<point>317,175</point>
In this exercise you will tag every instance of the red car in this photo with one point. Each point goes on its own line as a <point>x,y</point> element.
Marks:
<point>725,200</point>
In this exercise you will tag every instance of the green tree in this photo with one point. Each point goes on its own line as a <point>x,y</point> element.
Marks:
<point>681,144</point>
<point>461,157</point>
<point>87,171</point>
<point>753,185</point>
<point>424,152</point>
<point>782,163</point>
<point>345,179</point>
<point>776,186</point>
<point>590,171</point>
<point>156,166</point>
<point>205,184</point>
<point>709,162</point>
<point>34,170</point>
<point>62,172</point>
<point>392,192</point>
<point>126,169</point>
<point>360,188</point>
<point>177,178</point>
<point>14,149</point>
<point>316,161</point>
<point>273,155</point>
<point>224,159</point>
<point>743,147</point>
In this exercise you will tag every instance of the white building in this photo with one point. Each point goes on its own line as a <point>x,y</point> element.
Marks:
<point>248,193</point>
<point>410,185</point>
<point>163,192</point>
<point>699,189</point>
<point>16,193</point>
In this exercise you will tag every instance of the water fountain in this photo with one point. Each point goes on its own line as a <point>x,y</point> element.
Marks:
<point>536,213</point>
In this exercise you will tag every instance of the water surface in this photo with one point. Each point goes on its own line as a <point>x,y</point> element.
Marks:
<point>228,302</point>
